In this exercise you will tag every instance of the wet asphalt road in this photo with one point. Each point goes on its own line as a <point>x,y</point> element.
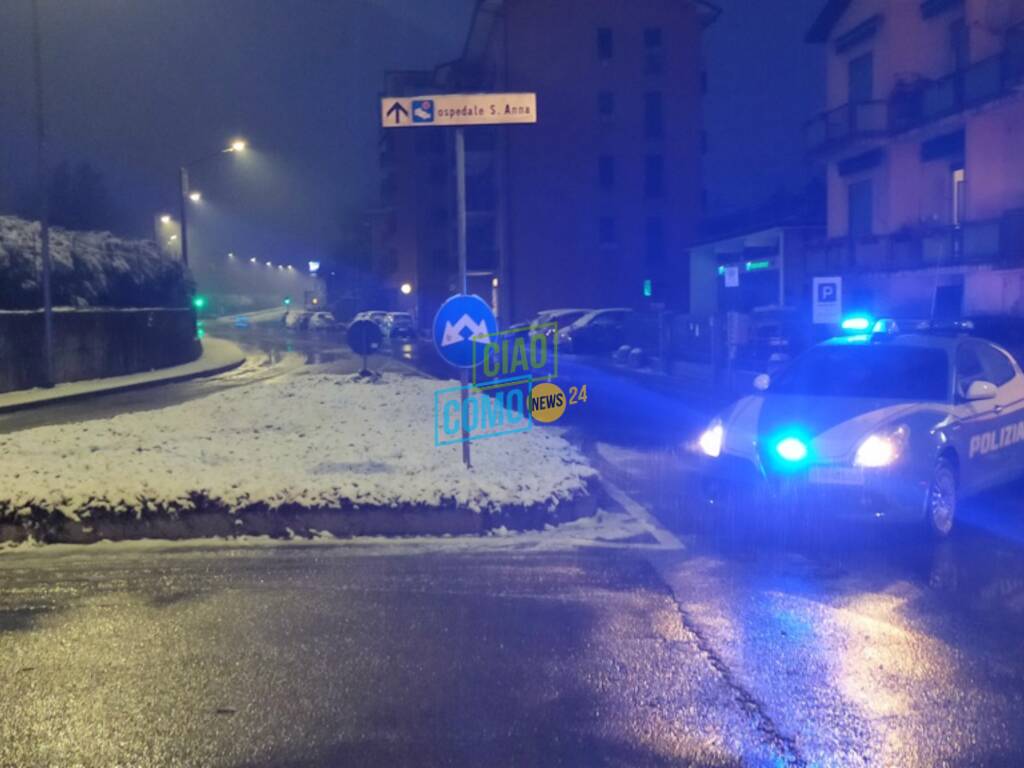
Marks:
<point>830,646</point>
<point>323,656</point>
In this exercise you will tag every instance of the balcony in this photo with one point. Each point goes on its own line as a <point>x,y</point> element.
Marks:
<point>920,102</point>
<point>984,81</point>
<point>996,243</point>
<point>846,125</point>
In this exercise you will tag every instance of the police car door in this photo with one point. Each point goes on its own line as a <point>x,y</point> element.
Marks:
<point>979,422</point>
<point>1009,407</point>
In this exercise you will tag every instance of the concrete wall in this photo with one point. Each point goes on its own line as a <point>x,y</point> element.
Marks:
<point>909,294</point>
<point>92,344</point>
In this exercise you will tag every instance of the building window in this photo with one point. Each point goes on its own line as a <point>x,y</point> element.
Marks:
<point>860,78</point>
<point>605,44</point>
<point>959,196</point>
<point>860,207</point>
<point>606,170</point>
<point>606,232</point>
<point>654,176</point>
<point>655,241</point>
<point>959,43</point>
<point>606,105</point>
<point>653,54</point>
<point>654,118</point>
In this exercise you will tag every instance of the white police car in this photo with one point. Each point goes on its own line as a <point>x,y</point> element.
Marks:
<point>887,424</point>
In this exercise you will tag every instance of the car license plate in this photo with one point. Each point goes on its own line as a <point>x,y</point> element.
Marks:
<point>837,476</point>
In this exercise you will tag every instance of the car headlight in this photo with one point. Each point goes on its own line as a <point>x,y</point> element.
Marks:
<point>882,448</point>
<point>711,440</point>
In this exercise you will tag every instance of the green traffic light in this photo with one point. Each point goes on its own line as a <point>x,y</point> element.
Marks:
<point>198,302</point>
<point>287,301</point>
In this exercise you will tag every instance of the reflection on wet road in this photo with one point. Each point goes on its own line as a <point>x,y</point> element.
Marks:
<point>868,645</point>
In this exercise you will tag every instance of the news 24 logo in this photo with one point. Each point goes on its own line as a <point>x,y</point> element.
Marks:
<point>511,386</point>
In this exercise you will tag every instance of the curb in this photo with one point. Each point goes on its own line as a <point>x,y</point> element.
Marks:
<point>302,523</point>
<point>72,397</point>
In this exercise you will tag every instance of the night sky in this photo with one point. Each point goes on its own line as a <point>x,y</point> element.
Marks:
<point>136,87</point>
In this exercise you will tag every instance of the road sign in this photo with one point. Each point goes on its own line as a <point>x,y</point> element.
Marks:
<point>462,322</point>
<point>364,337</point>
<point>827,301</point>
<point>455,109</point>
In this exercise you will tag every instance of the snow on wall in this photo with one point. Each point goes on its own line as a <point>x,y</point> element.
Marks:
<point>94,269</point>
<point>310,441</point>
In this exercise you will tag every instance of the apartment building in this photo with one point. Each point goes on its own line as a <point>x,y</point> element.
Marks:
<point>922,138</point>
<point>596,204</point>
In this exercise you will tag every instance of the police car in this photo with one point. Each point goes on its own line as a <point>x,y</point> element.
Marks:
<point>882,424</point>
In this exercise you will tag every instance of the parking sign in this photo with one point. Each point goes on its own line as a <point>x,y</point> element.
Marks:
<point>827,300</point>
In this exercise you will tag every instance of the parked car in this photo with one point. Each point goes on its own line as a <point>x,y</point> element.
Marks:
<point>379,317</point>
<point>596,333</point>
<point>296,319</point>
<point>322,321</point>
<point>401,325</point>
<point>554,320</point>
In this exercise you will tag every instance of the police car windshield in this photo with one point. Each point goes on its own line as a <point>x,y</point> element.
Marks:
<point>861,370</point>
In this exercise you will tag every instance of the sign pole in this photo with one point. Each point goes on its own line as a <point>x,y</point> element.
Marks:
<point>460,191</point>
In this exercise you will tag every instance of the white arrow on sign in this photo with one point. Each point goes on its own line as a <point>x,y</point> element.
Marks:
<point>454,109</point>
<point>453,333</point>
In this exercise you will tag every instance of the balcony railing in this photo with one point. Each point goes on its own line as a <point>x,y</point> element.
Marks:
<point>918,103</point>
<point>848,123</point>
<point>995,243</point>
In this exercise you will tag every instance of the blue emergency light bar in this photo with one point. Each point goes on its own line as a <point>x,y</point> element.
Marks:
<point>856,323</point>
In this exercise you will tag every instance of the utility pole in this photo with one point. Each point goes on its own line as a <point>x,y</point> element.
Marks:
<point>460,187</point>
<point>183,192</point>
<point>44,203</point>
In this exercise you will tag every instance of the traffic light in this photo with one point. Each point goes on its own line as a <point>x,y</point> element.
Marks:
<point>287,301</point>
<point>199,302</point>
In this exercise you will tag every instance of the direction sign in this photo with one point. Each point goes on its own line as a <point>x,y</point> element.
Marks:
<point>827,301</point>
<point>454,109</point>
<point>462,322</point>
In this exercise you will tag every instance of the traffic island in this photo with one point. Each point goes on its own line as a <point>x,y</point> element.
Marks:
<point>306,454</point>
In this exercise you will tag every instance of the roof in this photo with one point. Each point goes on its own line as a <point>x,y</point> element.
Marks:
<point>827,20</point>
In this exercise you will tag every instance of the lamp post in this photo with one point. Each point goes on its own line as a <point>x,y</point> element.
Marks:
<point>185,194</point>
<point>44,203</point>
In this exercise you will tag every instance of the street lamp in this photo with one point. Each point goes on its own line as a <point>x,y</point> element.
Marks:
<point>238,145</point>
<point>165,219</point>
<point>406,288</point>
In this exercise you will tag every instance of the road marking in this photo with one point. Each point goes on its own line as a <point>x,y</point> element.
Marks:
<point>661,534</point>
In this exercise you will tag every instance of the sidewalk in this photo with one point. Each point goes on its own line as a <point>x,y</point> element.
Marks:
<point>218,356</point>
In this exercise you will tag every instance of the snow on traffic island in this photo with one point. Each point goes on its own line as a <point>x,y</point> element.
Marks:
<point>310,443</point>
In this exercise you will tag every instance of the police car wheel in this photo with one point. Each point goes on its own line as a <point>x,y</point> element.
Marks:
<point>940,506</point>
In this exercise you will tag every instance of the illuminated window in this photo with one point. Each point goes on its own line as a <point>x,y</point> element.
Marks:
<point>959,196</point>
